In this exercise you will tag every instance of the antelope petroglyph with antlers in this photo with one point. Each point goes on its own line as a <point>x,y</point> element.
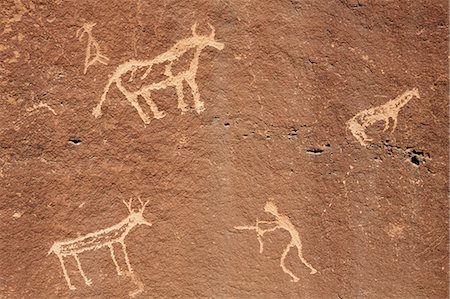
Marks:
<point>196,42</point>
<point>102,238</point>
<point>362,120</point>
<point>93,54</point>
<point>281,222</point>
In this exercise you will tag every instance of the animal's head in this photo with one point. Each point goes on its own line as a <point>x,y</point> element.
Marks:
<point>137,216</point>
<point>207,40</point>
<point>271,208</point>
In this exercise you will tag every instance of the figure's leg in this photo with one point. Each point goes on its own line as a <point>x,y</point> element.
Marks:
<point>156,113</point>
<point>180,94</point>
<point>127,260</point>
<point>111,249</point>
<point>300,255</point>
<point>86,280</point>
<point>66,276</point>
<point>199,105</point>
<point>283,257</point>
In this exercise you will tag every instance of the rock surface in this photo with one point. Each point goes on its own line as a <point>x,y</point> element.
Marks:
<point>280,81</point>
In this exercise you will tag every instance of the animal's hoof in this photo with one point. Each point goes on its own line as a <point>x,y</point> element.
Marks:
<point>160,114</point>
<point>72,288</point>
<point>89,282</point>
<point>314,271</point>
<point>183,108</point>
<point>200,108</point>
<point>97,112</point>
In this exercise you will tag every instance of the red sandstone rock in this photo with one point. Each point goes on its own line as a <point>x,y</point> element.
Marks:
<point>286,107</point>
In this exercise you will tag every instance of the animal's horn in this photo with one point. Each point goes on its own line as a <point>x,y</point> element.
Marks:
<point>213,30</point>
<point>145,204</point>
<point>194,27</point>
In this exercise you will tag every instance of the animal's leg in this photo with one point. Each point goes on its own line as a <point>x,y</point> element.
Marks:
<point>86,280</point>
<point>199,105</point>
<point>66,276</point>
<point>156,113</point>
<point>180,94</point>
<point>127,260</point>
<point>300,255</point>
<point>387,122</point>
<point>111,249</point>
<point>394,117</point>
<point>283,257</point>
<point>133,101</point>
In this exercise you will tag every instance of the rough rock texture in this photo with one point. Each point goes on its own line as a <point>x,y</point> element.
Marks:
<point>289,90</point>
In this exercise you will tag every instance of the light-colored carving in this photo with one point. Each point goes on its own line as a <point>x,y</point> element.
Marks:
<point>281,222</point>
<point>93,54</point>
<point>196,42</point>
<point>41,105</point>
<point>363,119</point>
<point>103,238</point>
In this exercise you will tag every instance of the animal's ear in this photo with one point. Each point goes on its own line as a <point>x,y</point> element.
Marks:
<point>213,30</point>
<point>193,28</point>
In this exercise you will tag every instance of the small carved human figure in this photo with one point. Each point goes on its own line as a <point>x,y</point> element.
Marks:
<point>281,222</point>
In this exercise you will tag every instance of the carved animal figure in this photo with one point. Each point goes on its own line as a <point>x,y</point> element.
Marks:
<point>197,42</point>
<point>359,123</point>
<point>93,54</point>
<point>281,222</point>
<point>102,238</point>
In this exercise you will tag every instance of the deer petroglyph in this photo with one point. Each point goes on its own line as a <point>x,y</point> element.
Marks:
<point>93,54</point>
<point>102,238</point>
<point>281,222</point>
<point>362,120</point>
<point>196,42</point>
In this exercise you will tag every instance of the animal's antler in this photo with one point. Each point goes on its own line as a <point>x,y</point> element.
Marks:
<point>128,205</point>
<point>143,205</point>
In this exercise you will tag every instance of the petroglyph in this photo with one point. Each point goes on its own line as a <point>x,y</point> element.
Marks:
<point>41,105</point>
<point>362,120</point>
<point>196,42</point>
<point>103,238</point>
<point>281,222</point>
<point>93,54</point>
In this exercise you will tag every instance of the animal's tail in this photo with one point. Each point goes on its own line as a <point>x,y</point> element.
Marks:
<point>97,111</point>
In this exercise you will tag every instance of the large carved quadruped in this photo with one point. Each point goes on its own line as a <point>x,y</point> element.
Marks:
<point>196,42</point>
<point>107,237</point>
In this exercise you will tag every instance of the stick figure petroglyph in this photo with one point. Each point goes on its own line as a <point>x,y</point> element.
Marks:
<point>196,42</point>
<point>102,238</point>
<point>281,222</point>
<point>93,54</point>
<point>362,120</point>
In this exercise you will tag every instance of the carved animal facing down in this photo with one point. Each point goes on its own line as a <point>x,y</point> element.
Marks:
<point>281,222</point>
<point>362,120</point>
<point>93,54</point>
<point>102,238</point>
<point>196,42</point>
